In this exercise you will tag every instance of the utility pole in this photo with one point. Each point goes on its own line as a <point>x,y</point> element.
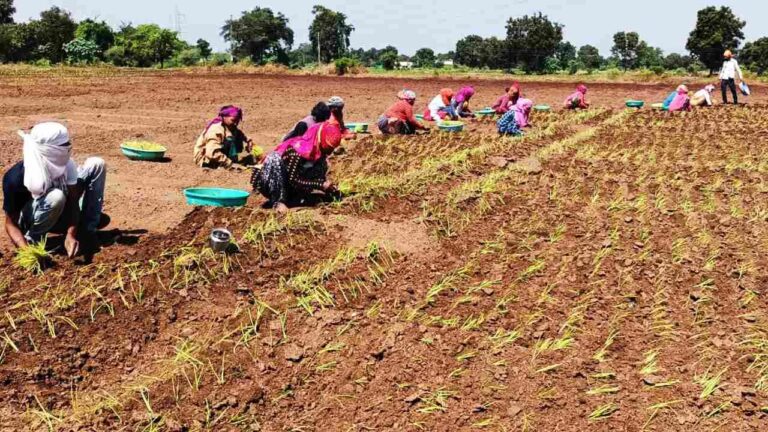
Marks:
<point>319,60</point>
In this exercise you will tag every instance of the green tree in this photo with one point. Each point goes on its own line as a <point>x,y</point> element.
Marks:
<point>677,61</point>
<point>531,40</point>
<point>716,30</point>
<point>259,34</point>
<point>18,42</point>
<point>188,57</point>
<point>54,29</point>
<point>754,55</point>
<point>82,51</point>
<point>204,48</point>
<point>589,57</point>
<point>494,53</point>
<point>470,51</point>
<point>99,33</point>
<point>330,29</point>
<point>627,47</point>
<point>648,56</point>
<point>144,46</point>
<point>6,11</point>
<point>565,54</point>
<point>424,58</point>
<point>388,58</point>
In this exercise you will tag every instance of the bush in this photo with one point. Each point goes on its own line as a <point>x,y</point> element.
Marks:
<point>346,64</point>
<point>613,73</point>
<point>187,57</point>
<point>81,51</point>
<point>43,63</point>
<point>658,70</point>
<point>219,59</point>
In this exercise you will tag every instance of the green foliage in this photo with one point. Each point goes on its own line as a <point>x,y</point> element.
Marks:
<point>677,61</point>
<point>470,51</point>
<point>345,64</point>
<point>754,56</point>
<point>81,51</point>
<point>589,57</point>
<point>204,48</point>
<point>551,65</point>
<point>388,58</point>
<point>531,40</point>
<point>259,34</point>
<point>144,46</point>
<point>716,30</point>
<point>564,54</point>
<point>424,58</point>
<point>99,33</point>
<point>187,57</point>
<point>627,47</point>
<point>649,57</point>
<point>331,30</point>
<point>6,11</point>
<point>219,59</point>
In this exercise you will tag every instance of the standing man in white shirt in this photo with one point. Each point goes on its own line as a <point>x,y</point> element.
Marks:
<point>728,75</point>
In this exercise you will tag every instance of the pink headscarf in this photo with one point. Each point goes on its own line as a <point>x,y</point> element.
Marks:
<point>465,94</point>
<point>581,88</point>
<point>523,112</point>
<point>227,111</point>
<point>320,139</point>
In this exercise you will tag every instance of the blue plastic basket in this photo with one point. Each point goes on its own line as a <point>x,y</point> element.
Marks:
<point>216,197</point>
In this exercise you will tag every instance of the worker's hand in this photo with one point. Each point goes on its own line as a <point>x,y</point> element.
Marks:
<point>249,146</point>
<point>237,167</point>
<point>72,246</point>
<point>328,186</point>
<point>281,208</point>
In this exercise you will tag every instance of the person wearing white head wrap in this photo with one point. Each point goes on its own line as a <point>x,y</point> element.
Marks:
<point>703,97</point>
<point>41,194</point>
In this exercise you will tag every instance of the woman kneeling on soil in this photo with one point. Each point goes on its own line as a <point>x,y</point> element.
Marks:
<point>577,100</point>
<point>681,102</point>
<point>703,97</point>
<point>222,141</point>
<point>460,102</point>
<point>319,114</point>
<point>513,122</point>
<point>509,99</point>
<point>399,118</point>
<point>298,167</point>
<point>440,107</point>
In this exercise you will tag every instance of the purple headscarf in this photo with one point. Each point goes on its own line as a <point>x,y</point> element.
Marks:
<point>464,94</point>
<point>227,111</point>
<point>522,112</point>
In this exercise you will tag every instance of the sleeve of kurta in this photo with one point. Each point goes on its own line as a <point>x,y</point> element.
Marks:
<point>292,161</point>
<point>214,138</point>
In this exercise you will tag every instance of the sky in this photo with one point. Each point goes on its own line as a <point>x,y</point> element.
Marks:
<point>413,24</point>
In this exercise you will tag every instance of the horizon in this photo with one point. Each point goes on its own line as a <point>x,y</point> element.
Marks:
<point>373,29</point>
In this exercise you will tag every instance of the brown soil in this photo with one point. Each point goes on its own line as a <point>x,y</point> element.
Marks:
<point>595,281</point>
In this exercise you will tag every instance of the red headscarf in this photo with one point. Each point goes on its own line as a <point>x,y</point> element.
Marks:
<point>447,95</point>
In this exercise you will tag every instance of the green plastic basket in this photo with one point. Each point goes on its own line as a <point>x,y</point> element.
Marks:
<point>357,127</point>
<point>485,112</point>
<point>541,108</point>
<point>216,197</point>
<point>141,154</point>
<point>635,104</point>
<point>451,126</point>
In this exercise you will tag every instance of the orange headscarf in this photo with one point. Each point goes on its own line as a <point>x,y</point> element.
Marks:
<point>447,95</point>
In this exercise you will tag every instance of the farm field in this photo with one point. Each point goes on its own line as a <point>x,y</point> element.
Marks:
<point>603,272</point>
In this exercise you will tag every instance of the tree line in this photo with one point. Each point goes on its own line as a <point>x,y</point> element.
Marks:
<point>533,44</point>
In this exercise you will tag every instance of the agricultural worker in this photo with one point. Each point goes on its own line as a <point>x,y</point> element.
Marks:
<point>668,101</point>
<point>703,97</point>
<point>298,167</point>
<point>728,74</point>
<point>222,141</point>
<point>517,118</point>
<point>681,102</point>
<point>399,119</point>
<point>336,105</point>
<point>440,107</point>
<point>578,99</point>
<point>42,193</point>
<point>460,102</point>
<point>506,101</point>
<point>319,114</point>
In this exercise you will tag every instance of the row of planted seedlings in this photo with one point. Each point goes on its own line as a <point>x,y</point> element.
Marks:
<point>693,255</point>
<point>176,277</point>
<point>308,292</point>
<point>441,164</point>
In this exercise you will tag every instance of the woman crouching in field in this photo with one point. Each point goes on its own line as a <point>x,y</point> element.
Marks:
<point>222,141</point>
<point>399,118</point>
<point>440,107</point>
<point>460,102</point>
<point>578,99</point>
<point>298,167</point>
<point>513,122</point>
<point>509,99</point>
<point>681,102</point>
<point>703,97</point>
